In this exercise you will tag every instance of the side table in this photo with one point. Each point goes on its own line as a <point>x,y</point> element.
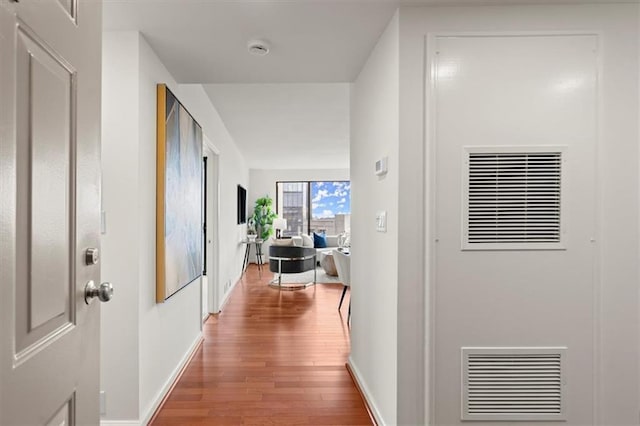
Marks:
<point>258,245</point>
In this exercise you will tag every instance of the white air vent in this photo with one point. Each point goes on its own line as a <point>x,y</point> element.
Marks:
<point>513,198</point>
<point>513,384</point>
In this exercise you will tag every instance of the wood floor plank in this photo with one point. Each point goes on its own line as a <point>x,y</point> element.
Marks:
<point>270,358</point>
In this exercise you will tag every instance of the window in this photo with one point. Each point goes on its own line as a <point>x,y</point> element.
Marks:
<point>292,204</point>
<point>318,206</point>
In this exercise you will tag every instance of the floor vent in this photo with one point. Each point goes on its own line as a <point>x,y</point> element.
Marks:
<point>513,198</point>
<point>513,384</point>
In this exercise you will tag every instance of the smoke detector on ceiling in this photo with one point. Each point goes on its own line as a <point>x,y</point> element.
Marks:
<point>258,47</point>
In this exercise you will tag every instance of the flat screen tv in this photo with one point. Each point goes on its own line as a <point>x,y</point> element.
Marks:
<point>242,205</point>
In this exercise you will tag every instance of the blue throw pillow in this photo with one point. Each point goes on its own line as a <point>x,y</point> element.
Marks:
<point>319,240</point>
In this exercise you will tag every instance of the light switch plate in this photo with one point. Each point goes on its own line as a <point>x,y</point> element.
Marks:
<point>381,221</point>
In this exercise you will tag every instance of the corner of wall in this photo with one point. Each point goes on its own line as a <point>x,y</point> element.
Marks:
<point>366,393</point>
<point>119,350</point>
<point>374,259</point>
<point>411,231</point>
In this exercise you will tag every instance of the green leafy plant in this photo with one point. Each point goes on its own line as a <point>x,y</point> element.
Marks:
<point>263,216</point>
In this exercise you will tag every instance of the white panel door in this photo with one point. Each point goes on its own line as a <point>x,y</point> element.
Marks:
<point>499,94</point>
<point>50,58</point>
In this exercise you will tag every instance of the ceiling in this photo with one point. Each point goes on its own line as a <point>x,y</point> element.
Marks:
<point>287,126</point>
<point>203,41</point>
<point>312,41</point>
<point>289,109</point>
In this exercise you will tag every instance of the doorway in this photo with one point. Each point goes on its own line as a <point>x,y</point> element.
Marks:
<point>210,301</point>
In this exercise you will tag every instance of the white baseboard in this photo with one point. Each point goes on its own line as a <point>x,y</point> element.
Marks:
<point>169,383</point>
<point>119,423</point>
<point>225,297</point>
<point>366,393</point>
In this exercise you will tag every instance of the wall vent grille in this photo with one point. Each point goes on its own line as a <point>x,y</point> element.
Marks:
<point>513,384</point>
<point>513,199</point>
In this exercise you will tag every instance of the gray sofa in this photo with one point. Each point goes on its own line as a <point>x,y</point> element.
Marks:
<point>332,243</point>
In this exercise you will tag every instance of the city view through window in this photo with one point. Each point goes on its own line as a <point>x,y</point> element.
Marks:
<point>315,206</point>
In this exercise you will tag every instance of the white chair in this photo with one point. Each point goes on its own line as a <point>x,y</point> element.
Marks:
<point>343,266</point>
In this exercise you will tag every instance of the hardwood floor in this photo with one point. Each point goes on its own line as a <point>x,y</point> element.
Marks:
<point>270,358</point>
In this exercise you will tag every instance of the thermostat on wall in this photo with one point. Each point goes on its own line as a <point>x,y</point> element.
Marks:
<point>381,166</point>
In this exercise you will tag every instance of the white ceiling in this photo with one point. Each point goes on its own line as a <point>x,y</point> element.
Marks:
<point>289,109</point>
<point>287,126</point>
<point>312,41</point>
<point>204,41</point>
<point>280,125</point>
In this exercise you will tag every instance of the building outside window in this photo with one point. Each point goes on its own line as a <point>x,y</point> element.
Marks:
<point>315,206</point>
<point>293,205</point>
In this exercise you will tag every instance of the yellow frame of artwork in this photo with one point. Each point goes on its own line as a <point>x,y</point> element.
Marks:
<point>161,157</point>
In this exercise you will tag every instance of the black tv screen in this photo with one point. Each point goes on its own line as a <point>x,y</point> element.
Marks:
<point>242,205</point>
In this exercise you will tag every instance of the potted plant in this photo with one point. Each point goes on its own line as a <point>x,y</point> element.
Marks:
<point>263,216</point>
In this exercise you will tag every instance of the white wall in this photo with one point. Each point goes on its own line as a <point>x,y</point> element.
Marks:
<point>120,253</point>
<point>167,330</point>
<point>144,344</point>
<point>616,272</point>
<point>377,89</point>
<point>374,258</point>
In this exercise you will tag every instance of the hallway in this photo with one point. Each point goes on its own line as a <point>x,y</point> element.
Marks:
<point>270,357</point>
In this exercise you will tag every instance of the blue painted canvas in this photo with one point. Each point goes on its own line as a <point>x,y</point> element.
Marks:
<point>183,197</point>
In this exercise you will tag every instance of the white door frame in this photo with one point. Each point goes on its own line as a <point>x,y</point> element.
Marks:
<point>213,227</point>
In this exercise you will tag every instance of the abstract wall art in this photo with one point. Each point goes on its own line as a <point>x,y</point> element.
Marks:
<point>179,196</point>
